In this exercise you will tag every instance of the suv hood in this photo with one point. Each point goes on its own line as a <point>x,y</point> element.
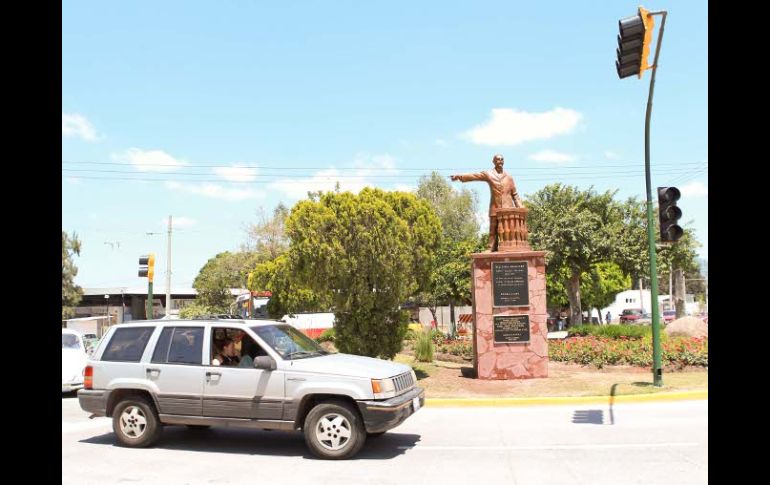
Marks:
<point>349,365</point>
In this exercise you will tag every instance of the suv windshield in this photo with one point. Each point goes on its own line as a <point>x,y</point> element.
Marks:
<point>289,342</point>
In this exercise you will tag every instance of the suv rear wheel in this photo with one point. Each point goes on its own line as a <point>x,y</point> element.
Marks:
<point>136,423</point>
<point>334,431</point>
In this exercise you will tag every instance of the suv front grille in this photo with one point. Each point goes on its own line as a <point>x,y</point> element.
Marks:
<point>403,382</point>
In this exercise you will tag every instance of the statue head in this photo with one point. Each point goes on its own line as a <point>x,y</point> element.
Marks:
<point>498,161</point>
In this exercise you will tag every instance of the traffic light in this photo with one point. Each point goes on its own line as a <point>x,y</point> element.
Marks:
<point>147,266</point>
<point>634,44</point>
<point>669,213</point>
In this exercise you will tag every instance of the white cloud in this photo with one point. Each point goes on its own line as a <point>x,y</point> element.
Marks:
<point>695,189</point>
<point>150,160</point>
<point>237,173</point>
<point>216,191</point>
<point>364,167</point>
<point>512,127</point>
<point>610,155</point>
<point>179,222</point>
<point>440,142</point>
<point>550,156</point>
<point>405,188</point>
<point>75,125</point>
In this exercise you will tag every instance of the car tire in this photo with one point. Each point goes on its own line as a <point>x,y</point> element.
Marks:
<point>334,431</point>
<point>375,435</point>
<point>135,423</point>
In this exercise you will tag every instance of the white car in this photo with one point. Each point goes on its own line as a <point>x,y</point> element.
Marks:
<point>252,373</point>
<point>73,360</point>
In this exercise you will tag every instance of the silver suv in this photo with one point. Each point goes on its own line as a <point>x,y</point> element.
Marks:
<point>251,373</point>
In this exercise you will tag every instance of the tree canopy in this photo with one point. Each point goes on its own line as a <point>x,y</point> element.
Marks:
<point>371,251</point>
<point>71,293</point>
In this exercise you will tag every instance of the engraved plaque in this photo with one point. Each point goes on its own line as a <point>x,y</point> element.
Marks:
<point>510,284</point>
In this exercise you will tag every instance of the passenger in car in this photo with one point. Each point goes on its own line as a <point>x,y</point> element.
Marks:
<point>228,356</point>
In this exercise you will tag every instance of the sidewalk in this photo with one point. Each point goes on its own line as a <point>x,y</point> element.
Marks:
<point>560,400</point>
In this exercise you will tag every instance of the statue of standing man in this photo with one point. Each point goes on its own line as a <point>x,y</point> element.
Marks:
<point>502,189</point>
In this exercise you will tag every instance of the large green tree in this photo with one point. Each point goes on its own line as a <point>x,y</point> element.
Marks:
<point>288,294</point>
<point>578,228</point>
<point>267,237</point>
<point>224,271</point>
<point>371,251</point>
<point>450,280</point>
<point>455,208</point>
<point>71,293</point>
<point>681,259</point>
<point>600,285</point>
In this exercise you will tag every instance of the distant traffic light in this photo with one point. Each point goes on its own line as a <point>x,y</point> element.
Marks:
<point>147,266</point>
<point>634,44</point>
<point>669,214</point>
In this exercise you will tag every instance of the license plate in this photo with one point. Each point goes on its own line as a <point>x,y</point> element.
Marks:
<point>416,403</point>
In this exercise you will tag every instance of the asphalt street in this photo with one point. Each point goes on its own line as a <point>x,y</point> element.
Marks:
<point>658,442</point>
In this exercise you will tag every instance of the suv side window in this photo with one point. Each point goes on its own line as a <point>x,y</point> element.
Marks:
<point>160,355</point>
<point>186,346</point>
<point>127,344</point>
<point>244,348</point>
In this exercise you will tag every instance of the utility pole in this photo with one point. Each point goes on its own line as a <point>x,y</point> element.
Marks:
<point>670,290</point>
<point>168,271</point>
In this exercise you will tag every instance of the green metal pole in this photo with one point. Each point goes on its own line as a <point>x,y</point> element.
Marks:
<point>150,316</point>
<point>657,370</point>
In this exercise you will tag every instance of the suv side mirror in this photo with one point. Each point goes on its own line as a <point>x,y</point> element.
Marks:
<point>264,362</point>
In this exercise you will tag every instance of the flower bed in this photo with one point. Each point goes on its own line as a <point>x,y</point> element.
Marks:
<point>601,351</point>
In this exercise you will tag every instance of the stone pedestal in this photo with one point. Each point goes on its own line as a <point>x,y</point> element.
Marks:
<point>510,357</point>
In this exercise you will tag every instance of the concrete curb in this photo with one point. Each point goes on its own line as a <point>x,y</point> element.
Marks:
<point>531,401</point>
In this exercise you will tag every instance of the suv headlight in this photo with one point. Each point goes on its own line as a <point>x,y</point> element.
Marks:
<point>414,378</point>
<point>383,388</point>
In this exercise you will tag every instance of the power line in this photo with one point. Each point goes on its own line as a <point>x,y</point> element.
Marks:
<point>512,166</point>
<point>581,176</point>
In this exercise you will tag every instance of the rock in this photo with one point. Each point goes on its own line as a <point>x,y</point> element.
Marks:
<point>688,327</point>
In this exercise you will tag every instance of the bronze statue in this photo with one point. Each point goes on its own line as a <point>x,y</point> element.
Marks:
<point>503,193</point>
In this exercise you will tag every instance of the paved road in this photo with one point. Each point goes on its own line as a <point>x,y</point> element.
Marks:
<point>660,443</point>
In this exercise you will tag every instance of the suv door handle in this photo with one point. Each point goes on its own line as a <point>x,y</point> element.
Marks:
<point>153,372</point>
<point>210,374</point>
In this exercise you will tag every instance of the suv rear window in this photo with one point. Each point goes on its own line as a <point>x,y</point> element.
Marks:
<point>127,344</point>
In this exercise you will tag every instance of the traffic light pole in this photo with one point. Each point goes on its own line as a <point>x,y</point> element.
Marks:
<point>657,370</point>
<point>150,314</point>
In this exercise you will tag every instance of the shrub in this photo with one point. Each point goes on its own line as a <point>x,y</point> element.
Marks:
<point>195,310</point>
<point>436,336</point>
<point>601,351</point>
<point>457,347</point>
<point>326,336</point>
<point>610,331</point>
<point>423,347</point>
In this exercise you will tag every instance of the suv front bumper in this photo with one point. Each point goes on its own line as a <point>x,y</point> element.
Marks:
<point>380,416</point>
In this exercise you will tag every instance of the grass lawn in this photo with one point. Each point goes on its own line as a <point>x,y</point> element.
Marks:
<point>444,379</point>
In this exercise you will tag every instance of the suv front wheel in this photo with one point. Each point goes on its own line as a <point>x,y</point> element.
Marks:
<point>135,423</point>
<point>334,431</point>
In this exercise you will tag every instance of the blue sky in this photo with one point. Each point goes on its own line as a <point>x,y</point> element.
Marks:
<point>215,111</point>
